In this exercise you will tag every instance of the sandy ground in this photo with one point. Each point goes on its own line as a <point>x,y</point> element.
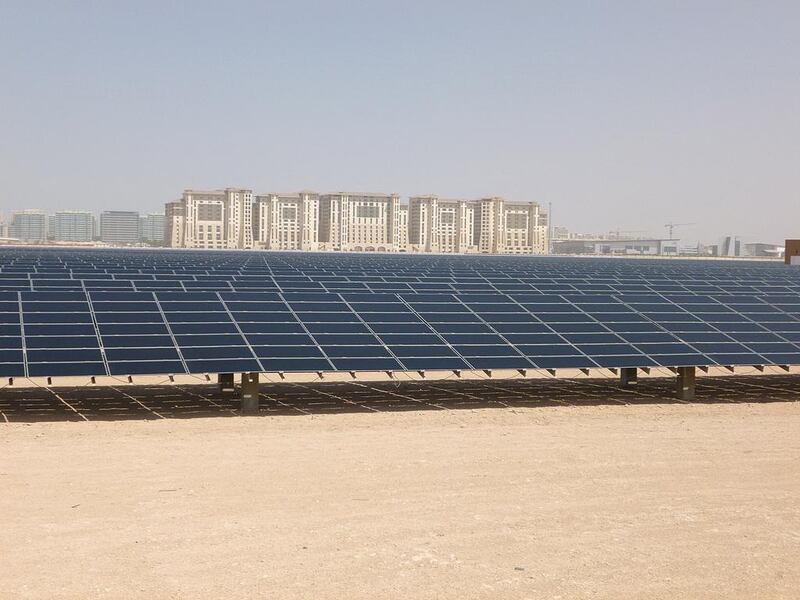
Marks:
<point>640,501</point>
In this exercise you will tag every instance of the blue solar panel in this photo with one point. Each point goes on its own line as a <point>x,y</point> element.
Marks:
<point>168,312</point>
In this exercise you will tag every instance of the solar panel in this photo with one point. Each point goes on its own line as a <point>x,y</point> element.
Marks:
<point>123,312</point>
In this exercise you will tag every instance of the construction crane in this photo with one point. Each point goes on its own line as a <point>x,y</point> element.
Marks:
<point>672,226</point>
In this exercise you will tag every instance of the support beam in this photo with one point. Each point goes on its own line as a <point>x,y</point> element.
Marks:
<point>628,376</point>
<point>249,393</point>
<point>225,383</point>
<point>685,381</point>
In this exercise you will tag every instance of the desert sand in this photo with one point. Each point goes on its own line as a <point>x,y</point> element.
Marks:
<point>607,501</point>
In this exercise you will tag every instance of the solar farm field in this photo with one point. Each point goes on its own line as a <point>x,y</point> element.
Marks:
<point>132,312</point>
<point>440,480</point>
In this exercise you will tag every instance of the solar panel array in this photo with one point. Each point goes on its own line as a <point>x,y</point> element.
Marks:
<point>127,312</point>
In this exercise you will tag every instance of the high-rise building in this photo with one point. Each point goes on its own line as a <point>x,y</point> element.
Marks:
<point>730,245</point>
<point>402,228</point>
<point>174,224</point>
<point>218,219</point>
<point>510,227</point>
<point>151,228</point>
<point>119,227</point>
<point>28,225</point>
<point>344,221</point>
<point>358,222</point>
<point>523,229</point>
<point>488,213</point>
<point>440,225</point>
<point>286,221</point>
<point>488,225</point>
<point>72,226</point>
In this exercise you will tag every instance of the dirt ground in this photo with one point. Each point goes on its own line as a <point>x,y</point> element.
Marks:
<point>639,501</point>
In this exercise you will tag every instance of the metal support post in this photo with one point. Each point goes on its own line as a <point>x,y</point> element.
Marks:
<point>685,388</point>
<point>628,376</point>
<point>249,393</point>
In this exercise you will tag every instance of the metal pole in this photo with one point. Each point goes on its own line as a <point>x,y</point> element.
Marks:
<point>685,383</point>
<point>628,376</point>
<point>250,393</point>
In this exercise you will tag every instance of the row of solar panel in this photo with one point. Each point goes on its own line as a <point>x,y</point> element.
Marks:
<point>382,284</point>
<point>388,275</point>
<point>468,296</point>
<point>482,350</point>
<point>122,286</point>
<point>416,274</point>
<point>234,364</point>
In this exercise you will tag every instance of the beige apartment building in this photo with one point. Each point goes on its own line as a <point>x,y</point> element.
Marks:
<point>488,225</point>
<point>401,235</point>
<point>359,222</point>
<point>523,229</point>
<point>174,224</point>
<point>286,221</point>
<point>218,219</point>
<point>441,225</point>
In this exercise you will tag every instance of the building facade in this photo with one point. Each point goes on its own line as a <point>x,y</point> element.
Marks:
<point>28,225</point>
<point>286,221</point>
<point>623,247</point>
<point>402,228</point>
<point>441,225</point>
<point>119,227</point>
<point>358,222</point>
<point>488,225</point>
<point>174,224</point>
<point>220,219</point>
<point>152,228</point>
<point>523,229</point>
<point>72,226</point>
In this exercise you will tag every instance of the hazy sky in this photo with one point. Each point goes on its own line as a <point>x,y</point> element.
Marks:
<point>624,115</point>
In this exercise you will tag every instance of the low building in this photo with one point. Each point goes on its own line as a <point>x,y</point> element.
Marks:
<point>634,247</point>
<point>763,250</point>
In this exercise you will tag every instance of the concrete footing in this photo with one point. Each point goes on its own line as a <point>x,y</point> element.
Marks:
<point>628,376</point>
<point>250,402</point>
<point>685,383</point>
